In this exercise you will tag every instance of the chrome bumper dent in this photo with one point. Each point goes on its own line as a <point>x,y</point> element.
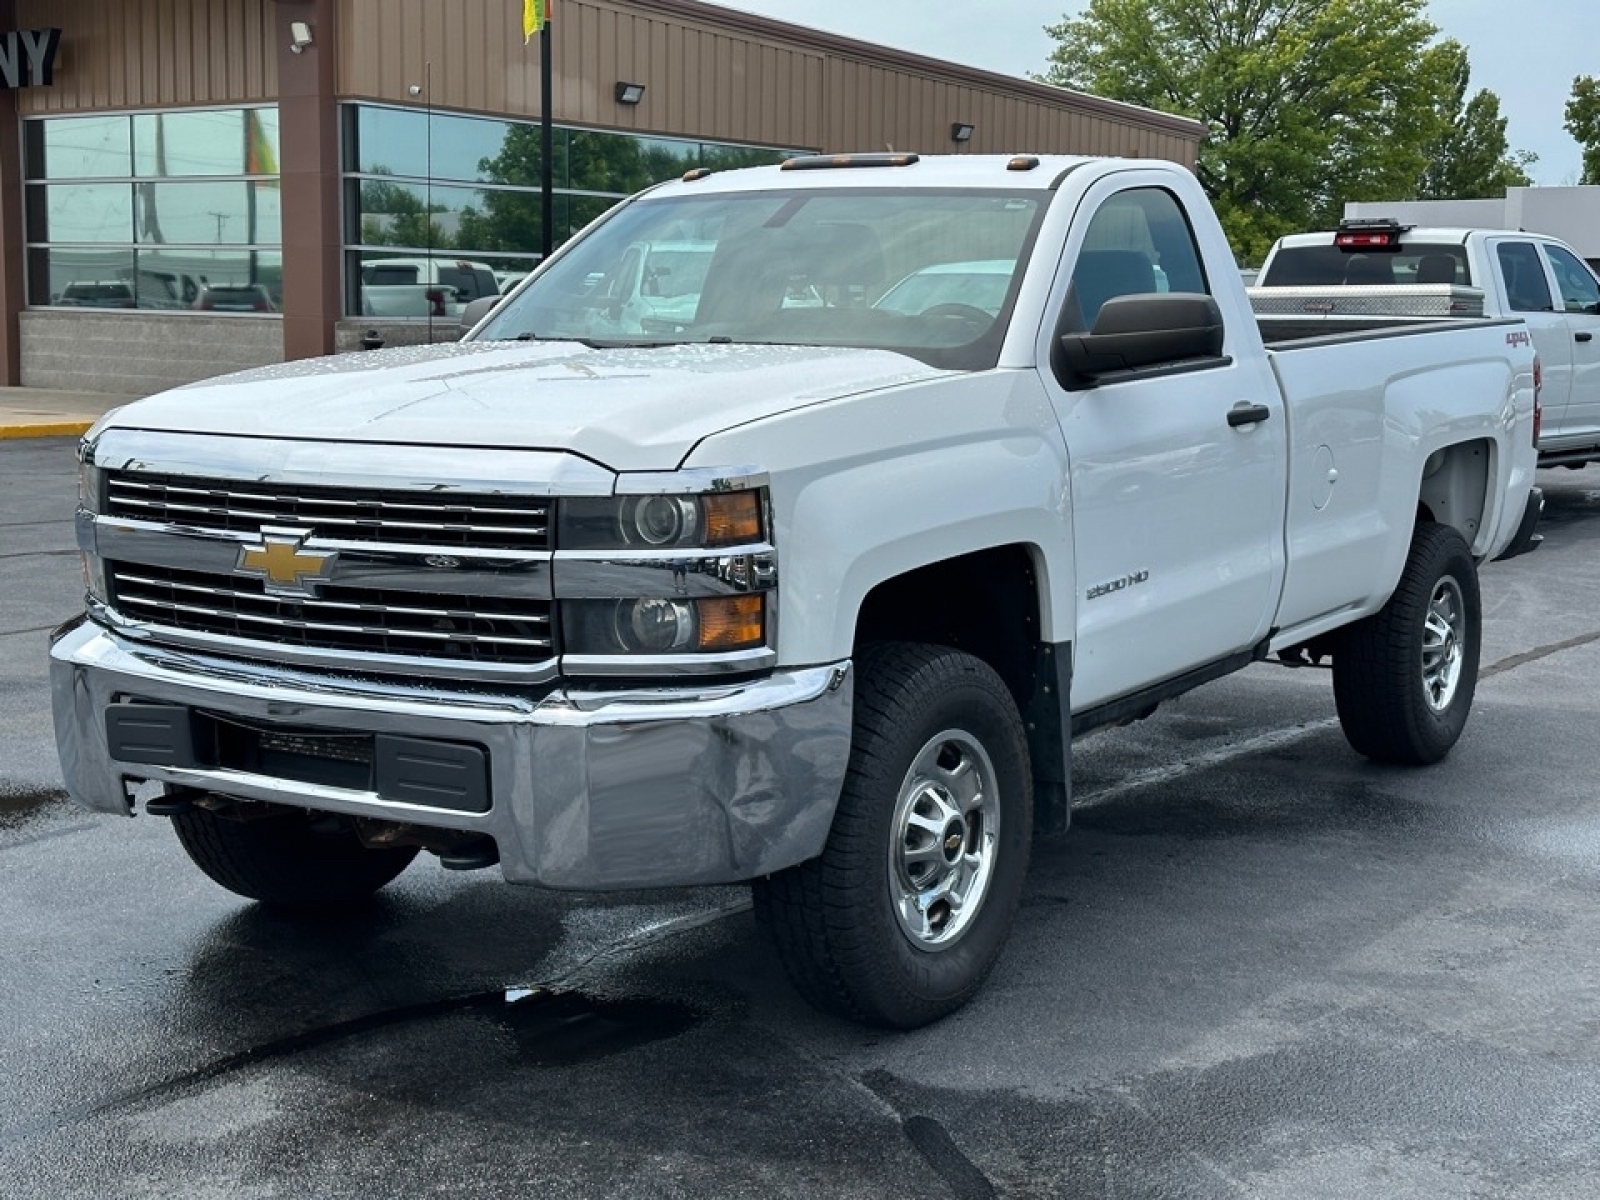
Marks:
<point>657,787</point>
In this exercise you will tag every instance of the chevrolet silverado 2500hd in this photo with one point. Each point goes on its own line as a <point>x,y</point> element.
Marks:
<point>788,585</point>
<point>1374,273</point>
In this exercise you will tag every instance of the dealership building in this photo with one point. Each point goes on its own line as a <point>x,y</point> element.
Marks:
<point>193,186</point>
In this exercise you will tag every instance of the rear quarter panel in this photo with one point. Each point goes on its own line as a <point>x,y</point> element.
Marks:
<point>1365,415</point>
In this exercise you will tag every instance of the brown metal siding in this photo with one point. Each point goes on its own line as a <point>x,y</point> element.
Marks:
<point>153,53</point>
<point>724,76</point>
<point>709,72</point>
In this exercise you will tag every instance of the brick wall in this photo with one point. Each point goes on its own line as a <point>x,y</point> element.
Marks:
<point>138,353</point>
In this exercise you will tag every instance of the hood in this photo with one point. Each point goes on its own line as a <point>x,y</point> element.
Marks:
<point>628,409</point>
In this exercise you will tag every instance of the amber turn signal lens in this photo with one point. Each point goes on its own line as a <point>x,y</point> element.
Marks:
<point>732,518</point>
<point>732,623</point>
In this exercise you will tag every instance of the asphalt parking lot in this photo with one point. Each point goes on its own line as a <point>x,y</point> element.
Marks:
<point>1258,966</point>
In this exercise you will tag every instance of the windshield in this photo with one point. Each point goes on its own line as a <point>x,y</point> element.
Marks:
<point>927,273</point>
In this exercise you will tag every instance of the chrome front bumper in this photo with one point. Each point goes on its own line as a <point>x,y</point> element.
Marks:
<point>594,790</point>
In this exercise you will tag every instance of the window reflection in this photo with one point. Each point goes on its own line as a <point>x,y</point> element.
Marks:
<point>221,214</point>
<point>418,194</point>
<point>189,218</point>
<point>396,142</point>
<point>414,214</point>
<point>78,148</point>
<point>233,142</point>
<point>170,279</point>
<point>80,212</point>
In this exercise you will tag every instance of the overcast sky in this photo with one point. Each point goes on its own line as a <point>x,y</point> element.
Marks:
<point>1527,52</point>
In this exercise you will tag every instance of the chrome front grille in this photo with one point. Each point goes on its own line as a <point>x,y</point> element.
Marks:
<point>416,518</point>
<point>483,629</point>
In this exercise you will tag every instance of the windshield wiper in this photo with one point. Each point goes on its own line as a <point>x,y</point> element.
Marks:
<point>539,337</point>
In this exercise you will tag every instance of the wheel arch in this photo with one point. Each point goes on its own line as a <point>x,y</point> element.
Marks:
<point>993,604</point>
<point>1455,490</point>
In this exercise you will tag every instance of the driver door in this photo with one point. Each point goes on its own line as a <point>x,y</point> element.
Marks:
<point>1177,514</point>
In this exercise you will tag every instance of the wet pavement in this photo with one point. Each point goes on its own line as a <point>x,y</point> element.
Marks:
<point>1258,966</point>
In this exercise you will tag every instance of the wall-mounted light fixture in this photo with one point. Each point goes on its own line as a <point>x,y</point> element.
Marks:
<point>629,93</point>
<point>961,132</point>
<point>299,36</point>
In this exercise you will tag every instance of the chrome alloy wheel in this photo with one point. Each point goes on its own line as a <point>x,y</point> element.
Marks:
<point>945,836</point>
<point>1443,647</point>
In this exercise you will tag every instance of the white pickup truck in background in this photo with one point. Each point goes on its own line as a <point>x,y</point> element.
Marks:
<point>1371,273</point>
<point>800,582</point>
<point>423,287</point>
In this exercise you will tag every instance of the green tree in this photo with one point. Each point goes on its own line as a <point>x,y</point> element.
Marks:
<point>1583,123</point>
<point>1471,159</point>
<point>1310,102</point>
<point>586,162</point>
<point>393,215</point>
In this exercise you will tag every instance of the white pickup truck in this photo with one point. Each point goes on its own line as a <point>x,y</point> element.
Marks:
<point>1377,272</point>
<point>796,588</point>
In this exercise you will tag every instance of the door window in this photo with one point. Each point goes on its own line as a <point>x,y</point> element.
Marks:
<point>1139,242</point>
<point>1580,292</point>
<point>1527,290</point>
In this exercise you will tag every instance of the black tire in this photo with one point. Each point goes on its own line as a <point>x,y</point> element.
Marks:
<point>835,919</point>
<point>299,860</point>
<point>1388,680</point>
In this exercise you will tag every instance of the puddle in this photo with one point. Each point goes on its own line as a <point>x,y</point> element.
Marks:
<point>561,1029</point>
<point>16,807</point>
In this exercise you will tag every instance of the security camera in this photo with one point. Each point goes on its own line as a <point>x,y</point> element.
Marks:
<point>299,36</point>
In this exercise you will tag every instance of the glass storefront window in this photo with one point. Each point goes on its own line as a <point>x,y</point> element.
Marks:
<point>209,214</point>
<point>450,187</point>
<point>390,141</point>
<point>78,148</point>
<point>183,212</point>
<point>228,142</point>
<point>80,212</point>
<point>171,279</point>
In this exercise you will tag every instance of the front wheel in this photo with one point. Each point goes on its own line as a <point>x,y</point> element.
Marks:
<point>298,860</point>
<point>1403,679</point>
<point>907,909</point>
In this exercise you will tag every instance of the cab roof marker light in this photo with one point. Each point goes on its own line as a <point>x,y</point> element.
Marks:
<point>1022,162</point>
<point>825,162</point>
<point>695,174</point>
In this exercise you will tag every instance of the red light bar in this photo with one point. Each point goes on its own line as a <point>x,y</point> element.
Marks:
<point>1372,233</point>
<point>1373,239</point>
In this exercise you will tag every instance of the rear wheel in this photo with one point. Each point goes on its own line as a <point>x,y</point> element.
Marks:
<point>299,860</point>
<point>1404,678</point>
<point>903,915</point>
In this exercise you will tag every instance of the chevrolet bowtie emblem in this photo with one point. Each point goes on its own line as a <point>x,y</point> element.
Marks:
<point>285,566</point>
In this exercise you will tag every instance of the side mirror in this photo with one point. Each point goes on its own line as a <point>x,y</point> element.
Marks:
<point>477,311</point>
<point>1145,330</point>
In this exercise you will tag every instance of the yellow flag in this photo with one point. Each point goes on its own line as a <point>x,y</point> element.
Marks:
<point>535,16</point>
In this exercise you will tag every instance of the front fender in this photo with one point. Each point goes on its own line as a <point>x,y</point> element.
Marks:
<point>869,488</point>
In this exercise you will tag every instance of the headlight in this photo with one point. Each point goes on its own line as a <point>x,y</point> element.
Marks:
<point>90,486</point>
<point>660,626</point>
<point>91,499</point>
<point>660,522</point>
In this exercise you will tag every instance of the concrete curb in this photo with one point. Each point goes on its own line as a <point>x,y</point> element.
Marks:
<point>45,429</point>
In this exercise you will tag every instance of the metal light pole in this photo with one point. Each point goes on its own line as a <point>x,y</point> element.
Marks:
<point>547,202</point>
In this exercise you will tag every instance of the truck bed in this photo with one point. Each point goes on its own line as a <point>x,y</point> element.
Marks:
<point>1290,332</point>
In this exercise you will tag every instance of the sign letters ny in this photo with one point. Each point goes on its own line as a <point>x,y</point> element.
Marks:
<point>28,58</point>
